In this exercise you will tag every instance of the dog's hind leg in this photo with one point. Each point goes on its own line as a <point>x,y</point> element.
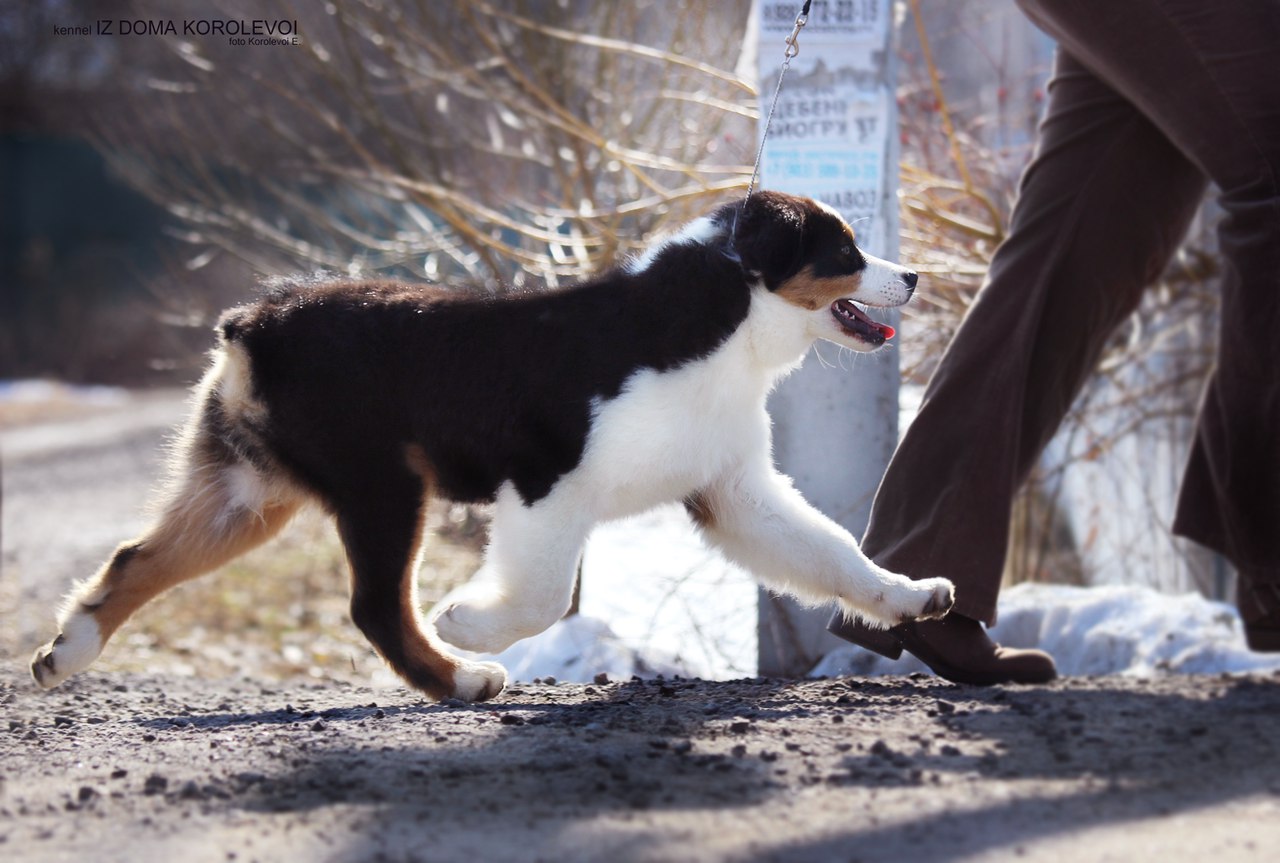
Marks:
<point>218,507</point>
<point>526,583</point>
<point>381,529</point>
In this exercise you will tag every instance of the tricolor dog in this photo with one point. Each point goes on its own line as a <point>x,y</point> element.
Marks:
<point>564,409</point>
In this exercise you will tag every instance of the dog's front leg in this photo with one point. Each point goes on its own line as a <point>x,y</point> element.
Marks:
<point>758,520</point>
<point>526,582</point>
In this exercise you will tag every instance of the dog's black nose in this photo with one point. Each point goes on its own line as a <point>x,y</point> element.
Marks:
<point>910,279</point>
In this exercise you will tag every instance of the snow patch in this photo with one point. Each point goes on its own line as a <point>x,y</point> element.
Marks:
<point>578,648</point>
<point>1127,630</point>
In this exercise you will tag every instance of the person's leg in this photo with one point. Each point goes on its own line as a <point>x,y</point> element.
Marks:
<point>1210,79</point>
<point>1101,208</point>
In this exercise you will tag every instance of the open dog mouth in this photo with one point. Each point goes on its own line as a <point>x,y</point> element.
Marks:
<point>855,322</point>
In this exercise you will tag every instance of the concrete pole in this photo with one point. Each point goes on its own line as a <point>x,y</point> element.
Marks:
<point>835,420</point>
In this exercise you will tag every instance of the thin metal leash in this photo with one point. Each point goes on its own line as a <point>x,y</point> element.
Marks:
<point>793,48</point>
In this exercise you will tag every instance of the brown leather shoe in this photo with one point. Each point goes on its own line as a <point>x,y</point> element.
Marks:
<point>1259,604</point>
<point>955,647</point>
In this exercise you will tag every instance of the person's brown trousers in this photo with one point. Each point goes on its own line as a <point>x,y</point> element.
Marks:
<point>1149,100</point>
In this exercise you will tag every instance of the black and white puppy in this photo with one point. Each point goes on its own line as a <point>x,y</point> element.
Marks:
<point>564,408</point>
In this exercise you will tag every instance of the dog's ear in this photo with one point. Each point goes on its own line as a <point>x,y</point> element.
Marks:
<point>769,236</point>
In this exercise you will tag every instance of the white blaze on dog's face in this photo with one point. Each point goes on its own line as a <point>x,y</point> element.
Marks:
<point>805,254</point>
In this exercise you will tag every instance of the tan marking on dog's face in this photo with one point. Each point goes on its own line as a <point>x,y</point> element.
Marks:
<point>811,292</point>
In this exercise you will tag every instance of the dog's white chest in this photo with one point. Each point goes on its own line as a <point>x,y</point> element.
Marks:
<point>668,434</point>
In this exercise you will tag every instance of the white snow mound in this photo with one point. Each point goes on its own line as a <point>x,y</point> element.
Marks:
<point>1100,630</point>
<point>576,649</point>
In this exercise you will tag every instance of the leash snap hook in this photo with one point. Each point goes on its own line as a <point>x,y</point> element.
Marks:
<point>793,41</point>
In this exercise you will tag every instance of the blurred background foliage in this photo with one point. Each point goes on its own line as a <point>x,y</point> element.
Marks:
<point>509,145</point>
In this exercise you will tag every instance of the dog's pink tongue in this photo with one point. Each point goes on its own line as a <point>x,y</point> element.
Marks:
<point>885,330</point>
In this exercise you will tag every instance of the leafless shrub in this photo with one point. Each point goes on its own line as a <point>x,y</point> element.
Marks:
<point>477,141</point>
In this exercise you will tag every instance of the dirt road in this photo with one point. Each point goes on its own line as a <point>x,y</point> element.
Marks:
<point>135,768</point>
<point>163,766</point>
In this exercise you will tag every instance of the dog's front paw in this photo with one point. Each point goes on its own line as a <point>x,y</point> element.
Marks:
<point>479,681</point>
<point>938,596</point>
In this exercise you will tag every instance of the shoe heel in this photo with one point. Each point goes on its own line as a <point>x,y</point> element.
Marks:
<point>881,641</point>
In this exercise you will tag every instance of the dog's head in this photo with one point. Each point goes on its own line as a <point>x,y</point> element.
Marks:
<point>804,253</point>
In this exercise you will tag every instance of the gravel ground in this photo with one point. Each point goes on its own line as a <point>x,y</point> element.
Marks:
<point>137,768</point>
<point>178,761</point>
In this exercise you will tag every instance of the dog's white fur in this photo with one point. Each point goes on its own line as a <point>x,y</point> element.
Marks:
<point>700,429</point>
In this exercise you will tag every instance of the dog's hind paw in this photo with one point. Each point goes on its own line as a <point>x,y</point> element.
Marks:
<point>44,668</point>
<point>71,652</point>
<point>479,681</point>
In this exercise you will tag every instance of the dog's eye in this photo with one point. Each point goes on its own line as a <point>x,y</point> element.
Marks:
<point>846,251</point>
